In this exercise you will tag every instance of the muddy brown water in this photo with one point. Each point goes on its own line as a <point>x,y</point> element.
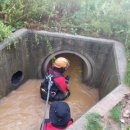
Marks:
<point>23,108</point>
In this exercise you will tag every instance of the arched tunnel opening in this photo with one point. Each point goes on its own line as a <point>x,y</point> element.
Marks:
<point>17,78</point>
<point>85,64</point>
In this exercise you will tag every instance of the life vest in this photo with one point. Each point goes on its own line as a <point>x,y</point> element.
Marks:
<point>49,126</point>
<point>59,80</point>
<point>58,84</point>
<point>59,117</point>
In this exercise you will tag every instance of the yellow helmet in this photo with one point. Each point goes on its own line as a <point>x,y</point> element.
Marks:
<point>61,62</point>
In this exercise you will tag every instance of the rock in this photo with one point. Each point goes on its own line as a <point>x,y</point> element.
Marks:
<point>127,96</point>
<point>126,113</point>
<point>122,121</point>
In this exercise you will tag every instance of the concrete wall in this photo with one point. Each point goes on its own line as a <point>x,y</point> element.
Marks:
<point>13,58</point>
<point>103,107</point>
<point>109,77</point>
<point>113,70</point>
<point>94,50</point>
<point>27,50</point>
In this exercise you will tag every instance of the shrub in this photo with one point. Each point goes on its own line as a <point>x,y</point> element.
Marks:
<point>93,122</point>
<point>5,31</point>
<point>12,10</point>
<point>116,112</point>
<point>128,128</point>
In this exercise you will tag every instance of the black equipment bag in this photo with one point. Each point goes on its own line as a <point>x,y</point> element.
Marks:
<point>44,86</point>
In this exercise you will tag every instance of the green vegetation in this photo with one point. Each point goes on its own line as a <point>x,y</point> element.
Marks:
<point>107,19</point>
<point>93,122</point>
<point>116,112</point>
<point>5,31</point>
<point>128,128</point>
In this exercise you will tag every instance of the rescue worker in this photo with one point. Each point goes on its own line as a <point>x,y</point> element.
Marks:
<point>59,89</point>
<point>59,117</point>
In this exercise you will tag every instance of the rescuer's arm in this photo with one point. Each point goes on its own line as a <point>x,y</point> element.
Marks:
<point>67,79</point>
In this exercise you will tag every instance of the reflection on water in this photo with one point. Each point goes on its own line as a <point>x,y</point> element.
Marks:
<point>23,109</point>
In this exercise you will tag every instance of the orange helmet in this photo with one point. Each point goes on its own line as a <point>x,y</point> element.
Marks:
<point>61,62</point>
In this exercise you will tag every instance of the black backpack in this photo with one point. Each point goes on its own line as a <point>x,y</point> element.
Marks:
<point>44,86</point>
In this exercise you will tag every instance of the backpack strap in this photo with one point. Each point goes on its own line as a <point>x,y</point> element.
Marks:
<point>45,124</point>
<point>55,75</point>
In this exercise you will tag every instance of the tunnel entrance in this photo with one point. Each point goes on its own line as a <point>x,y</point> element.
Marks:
<point>76,63</point>
<point>88,73</point>
<point>17,78</point>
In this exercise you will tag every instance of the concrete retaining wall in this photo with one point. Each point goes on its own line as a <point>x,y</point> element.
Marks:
<point>27,50</point>
<point>13,58</point>
<point>109,77</point>
<point>102,107</point>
